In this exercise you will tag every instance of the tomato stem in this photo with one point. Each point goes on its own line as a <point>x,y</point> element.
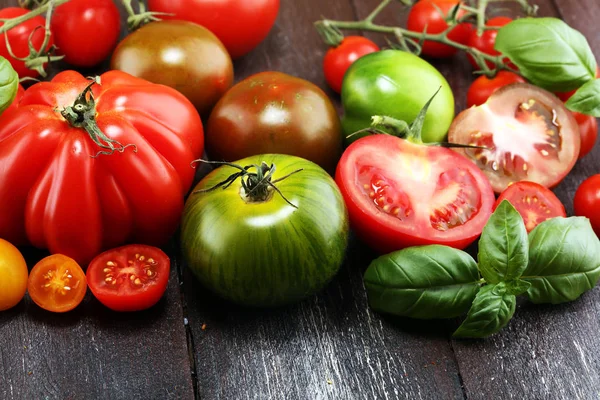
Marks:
<point>12,22</point>
<point>142,17</point>
<point>82,114</point>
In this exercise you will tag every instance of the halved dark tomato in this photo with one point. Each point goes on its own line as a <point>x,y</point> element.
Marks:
<point>534,202</point>
<point>528,135</point>
<point>129,278</point>
<point>402,194</point>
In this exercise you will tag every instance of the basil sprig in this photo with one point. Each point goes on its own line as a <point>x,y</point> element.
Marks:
<point>557,262</point>
<point>9,84</point>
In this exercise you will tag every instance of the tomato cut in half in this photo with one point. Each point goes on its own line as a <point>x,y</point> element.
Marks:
<point>57,283</point>
<point>402,194</point>
<point>129,278</point>
<point>534,202</point>
<point>526,134</point>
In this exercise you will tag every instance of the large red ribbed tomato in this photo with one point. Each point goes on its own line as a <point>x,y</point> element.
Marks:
<point>62,186</point>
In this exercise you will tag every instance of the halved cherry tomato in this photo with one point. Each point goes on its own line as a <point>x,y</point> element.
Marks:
<point>57,283</point>
<point>402,194</point>
<point>483,87</point>
<point>534,202</point>
<point>587,201</point>
<point>129,278</point>
<point>486,42</point>
<point>588,130</point>
<point>528,135</point>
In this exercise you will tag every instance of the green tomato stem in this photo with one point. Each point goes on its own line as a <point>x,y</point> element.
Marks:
<point>136,20</point>
<point>12,22</point>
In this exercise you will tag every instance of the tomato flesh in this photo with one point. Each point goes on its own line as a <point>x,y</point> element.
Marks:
<point>57,283</point>
<point>402,194</point>
<point>129,278</point>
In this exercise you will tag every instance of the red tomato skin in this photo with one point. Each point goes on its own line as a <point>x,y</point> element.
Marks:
<point>55,195</point>
<point>487,40</point>
<point>587,201</point>
<point>18,38</point>
<point>86,31</point>
<point>425,15</point>
<point>588,130</point>
<point>483,87</point>
<point>384,238</point>
<point>240,24</point>
<point>338,59</point>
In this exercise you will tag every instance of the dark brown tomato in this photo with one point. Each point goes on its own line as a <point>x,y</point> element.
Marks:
<point>272,112</point>
<point>179,54</point>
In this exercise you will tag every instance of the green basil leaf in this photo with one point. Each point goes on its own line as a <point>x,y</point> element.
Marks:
<point>503,246</point>
<point>548,52</point>
<point>492,308</point>
<point>586,99</point>
<point>564,260</point>
<point>9,84</point>
<point>517,286</point>
<point>423,282</point>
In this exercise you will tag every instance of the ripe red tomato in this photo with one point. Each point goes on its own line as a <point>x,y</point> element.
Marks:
<point>86,31</point>
<point>564,96</point>
<point>587,201</point>
<point>588,130</point>
<point>58,192</point>
<point>483,87</point>
<point>129,278</point>
<point>487,40</point>
<point>425,15</point>
<point>534,202</point>
<point>527,132</point>
<point>57,283</point>
<point>338,59</point>
<point>401,194</point>
<point>240,24</point>
<point>18,37</point>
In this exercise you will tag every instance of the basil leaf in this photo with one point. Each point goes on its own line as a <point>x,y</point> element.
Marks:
<point>9,84</point>
<point>423,282</point>
<point>517,287</point>
<point>586,99</point>
<point>492,308</point>
<point>503,246</point>
<point>548,52</point>
<point>564,260</point>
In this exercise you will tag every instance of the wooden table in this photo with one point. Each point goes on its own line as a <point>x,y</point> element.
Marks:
<point>328,347</point>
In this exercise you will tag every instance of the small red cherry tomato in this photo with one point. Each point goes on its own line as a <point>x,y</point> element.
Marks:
<point>588,130</point>
<point>338,59</point>
<point>485,43</point>
<point>483,87</point>
<point>587,201</point>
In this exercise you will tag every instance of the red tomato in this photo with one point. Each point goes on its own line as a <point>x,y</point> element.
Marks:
<point>58,192</point>
<point>527,132</point>
<point>564,96</point>
<point>57,283</point>
<point>129,278</point>
<point>487,40</point>
<point>338,59</point>
<point>588,130</point>
<point>587,201</point>
<point>240,24</point>
<point>86,31</point>
<point>533,201</point>
<point>483,87</point>
<point>425,15</point>
<point>401,194</point>
<point>18,37</point>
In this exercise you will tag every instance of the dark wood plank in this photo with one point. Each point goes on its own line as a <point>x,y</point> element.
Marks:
<point>332,345</point>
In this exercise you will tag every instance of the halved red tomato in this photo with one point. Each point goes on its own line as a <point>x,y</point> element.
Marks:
<point>534,202</point>
<point>129,278</point>
<point>402,194</point>
<point>527,132</point>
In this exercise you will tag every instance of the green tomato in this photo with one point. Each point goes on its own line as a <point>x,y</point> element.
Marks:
<point>397,84</point>
<point>266,253</point>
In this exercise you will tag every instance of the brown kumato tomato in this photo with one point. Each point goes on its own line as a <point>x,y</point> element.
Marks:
<point>272,112</point>
<point>179,54</point>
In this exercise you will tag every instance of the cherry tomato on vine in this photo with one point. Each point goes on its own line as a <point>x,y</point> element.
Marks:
<point>129,278</point>
<point>430,16</point>
<point>86,31</point>
<point>13,275</point>
<point>338,59</point>
<point>587,201</point>
<point>485,43</point>
<point>588,130</point>
<point>18,38</point>
<point>483,87</point>
<point>534,202</point>
<point>57,283</point>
